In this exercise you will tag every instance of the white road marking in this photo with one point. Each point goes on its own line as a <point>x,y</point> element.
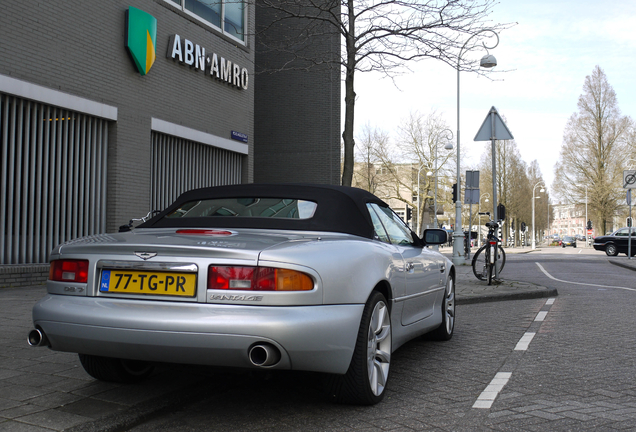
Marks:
<point>580,283</point>
<point>541,316</point>
<point>488,396</point>
<point>524,342</point>
<point>550,301</point>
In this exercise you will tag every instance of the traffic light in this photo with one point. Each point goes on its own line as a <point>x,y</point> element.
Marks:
<point>629,222</point>
<point>409,213</point>
<point>523,226</point>
<point>589,224</point>
<point>455,197</point>
<point>501,212</point>
<point>512,225</point>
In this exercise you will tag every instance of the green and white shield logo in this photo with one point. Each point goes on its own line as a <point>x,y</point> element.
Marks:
<point>141,38</point>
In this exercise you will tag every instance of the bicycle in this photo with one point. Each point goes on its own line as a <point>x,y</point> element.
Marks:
<point>486,260</point>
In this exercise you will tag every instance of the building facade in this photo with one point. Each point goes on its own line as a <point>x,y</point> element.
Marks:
<point>568,220</point>
<point>109,110</point>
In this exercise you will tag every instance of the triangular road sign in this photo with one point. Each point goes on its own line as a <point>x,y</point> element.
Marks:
<point>501,131</point>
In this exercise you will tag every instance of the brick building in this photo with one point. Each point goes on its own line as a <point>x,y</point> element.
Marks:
<point>111,109</point>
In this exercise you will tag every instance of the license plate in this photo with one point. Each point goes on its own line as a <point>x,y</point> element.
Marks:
<point>142,282</point>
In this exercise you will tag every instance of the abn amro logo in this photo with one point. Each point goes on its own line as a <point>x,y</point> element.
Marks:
<point>141,38</point>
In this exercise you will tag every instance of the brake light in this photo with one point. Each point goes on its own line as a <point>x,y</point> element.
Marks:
<point>69,271</point>
<point>258,279</point>
<point>204,232</point>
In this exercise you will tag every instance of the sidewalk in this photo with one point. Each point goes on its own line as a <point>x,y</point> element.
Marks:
<point>469,289</point>
<point>44,390</point>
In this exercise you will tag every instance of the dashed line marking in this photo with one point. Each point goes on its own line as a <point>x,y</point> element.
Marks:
<point>490,393</point>
<point>524,342</point>
<point>488,396</point>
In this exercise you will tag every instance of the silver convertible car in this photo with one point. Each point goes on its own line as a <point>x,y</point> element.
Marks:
<point>298,277</point>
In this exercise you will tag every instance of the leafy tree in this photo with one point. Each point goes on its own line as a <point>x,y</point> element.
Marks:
<point>376,35</point>
<point>595,143</point>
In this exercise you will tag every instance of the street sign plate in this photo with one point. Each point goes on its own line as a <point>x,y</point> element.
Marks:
<point>472,179</point>
<point>629,179</point>
<point>486,132</point>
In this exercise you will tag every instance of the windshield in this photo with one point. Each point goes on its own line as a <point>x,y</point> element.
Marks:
<point>283,208</point>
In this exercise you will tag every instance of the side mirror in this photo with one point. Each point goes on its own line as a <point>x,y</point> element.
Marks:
<point>435,237</point>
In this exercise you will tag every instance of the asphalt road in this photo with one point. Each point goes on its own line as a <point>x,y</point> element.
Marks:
<point>560,363</point>
<point>565,363</point>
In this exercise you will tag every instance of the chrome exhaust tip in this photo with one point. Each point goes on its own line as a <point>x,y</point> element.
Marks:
<point>264,355</point>
<point>37,338</point>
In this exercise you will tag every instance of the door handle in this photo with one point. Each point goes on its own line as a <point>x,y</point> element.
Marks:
<point>409,267</point>
<point>442,269</point>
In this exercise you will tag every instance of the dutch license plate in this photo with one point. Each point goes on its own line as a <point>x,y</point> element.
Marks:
<point>142,282</point>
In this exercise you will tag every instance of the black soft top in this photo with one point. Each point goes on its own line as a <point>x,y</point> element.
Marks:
<point>339,208</point>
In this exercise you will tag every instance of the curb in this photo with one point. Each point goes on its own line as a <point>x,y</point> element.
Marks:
<point>620,264</point>
<point>526,295</point>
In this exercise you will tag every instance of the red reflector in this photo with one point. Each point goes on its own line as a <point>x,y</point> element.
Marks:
<point>492,243</point>
<point>204,232</point>
<point>69,271</point>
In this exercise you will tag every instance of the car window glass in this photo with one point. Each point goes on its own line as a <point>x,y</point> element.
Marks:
<point>397,230</point>
<point>286,208</point>
<point>380,233</point>
<point>622,233</point>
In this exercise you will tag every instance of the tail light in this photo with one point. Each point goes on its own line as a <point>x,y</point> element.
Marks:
<point>258,279</point>
<point>69,271</point>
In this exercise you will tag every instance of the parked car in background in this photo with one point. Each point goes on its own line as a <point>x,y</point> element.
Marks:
<point>616,242</point>
<point>304,277</point>
<point>568,241</point>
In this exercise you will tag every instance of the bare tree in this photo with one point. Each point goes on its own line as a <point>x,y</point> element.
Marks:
<point>402,170</point>
<point>515,181</point>
<point>372,143</point>
<point>377,35</point>
<point>595,143</point>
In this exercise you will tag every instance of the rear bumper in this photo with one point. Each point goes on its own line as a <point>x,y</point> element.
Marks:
<point>310,338</point>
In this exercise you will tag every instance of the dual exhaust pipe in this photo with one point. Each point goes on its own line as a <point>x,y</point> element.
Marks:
<point>37,338</point>
<point>264,355</point>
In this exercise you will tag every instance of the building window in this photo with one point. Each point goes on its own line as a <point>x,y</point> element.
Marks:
<point>225,15</point>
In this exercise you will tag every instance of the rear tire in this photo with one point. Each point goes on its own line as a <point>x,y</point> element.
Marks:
<point>116,370</point>
<point>368,374</point>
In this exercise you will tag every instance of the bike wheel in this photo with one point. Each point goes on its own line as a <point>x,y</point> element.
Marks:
<point>491,271</point>
<point>501,260</point>
<point>481,263</point>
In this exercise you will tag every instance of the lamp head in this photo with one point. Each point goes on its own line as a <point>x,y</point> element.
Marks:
<point>542,190</point>
<point>488,61</point>
<point>430,173</point>
<point>449,146</point>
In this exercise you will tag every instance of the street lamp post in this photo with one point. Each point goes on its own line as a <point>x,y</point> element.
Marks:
<point>534,243</point>
<point>487,61</point>
<point>448,146</point>
<point>419,205</point>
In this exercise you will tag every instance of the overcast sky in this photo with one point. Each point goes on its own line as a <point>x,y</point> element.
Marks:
<point>551,50</point>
